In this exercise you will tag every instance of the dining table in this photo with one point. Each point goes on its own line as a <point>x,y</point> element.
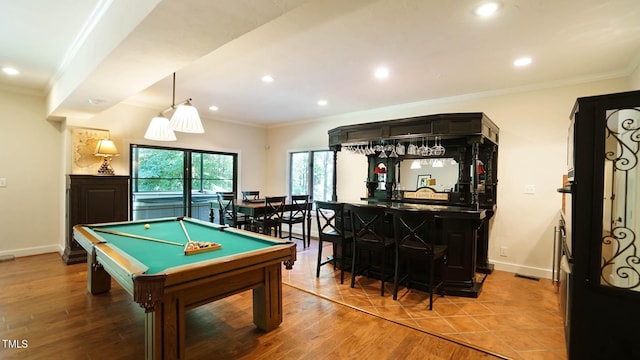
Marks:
<point>255,208</point>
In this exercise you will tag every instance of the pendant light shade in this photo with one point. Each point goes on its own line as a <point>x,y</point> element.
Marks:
<point>159,130</point>
<point>186,119</point>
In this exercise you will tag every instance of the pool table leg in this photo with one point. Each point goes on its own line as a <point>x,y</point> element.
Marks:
<point>165,331</point>
<point>98,279</point>
<point>267,299</point>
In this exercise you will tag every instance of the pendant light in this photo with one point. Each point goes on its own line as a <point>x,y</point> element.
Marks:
<point>185,119</point>
<point>159,130</point>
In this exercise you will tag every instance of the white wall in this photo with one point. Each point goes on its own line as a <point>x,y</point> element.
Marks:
<point>31,163</point>
<point>127,125</point>
<point>635,78</point>
<point>533,134</point>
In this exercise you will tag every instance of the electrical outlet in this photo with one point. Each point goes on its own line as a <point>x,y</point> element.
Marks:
<point>503,251</point>
<point>529,189</point>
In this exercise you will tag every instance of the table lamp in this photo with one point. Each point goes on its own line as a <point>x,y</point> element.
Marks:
<point>107,149</point>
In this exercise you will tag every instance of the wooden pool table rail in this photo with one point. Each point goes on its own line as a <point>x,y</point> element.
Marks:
<point>166,296</point>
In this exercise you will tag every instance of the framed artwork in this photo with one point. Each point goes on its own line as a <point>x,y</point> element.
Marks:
<point>423,180</point>
<point>83,145</point>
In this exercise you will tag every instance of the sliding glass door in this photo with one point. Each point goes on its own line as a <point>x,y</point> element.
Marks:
<point>169,182</point>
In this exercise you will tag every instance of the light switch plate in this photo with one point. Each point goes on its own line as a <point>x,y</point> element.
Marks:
<point>3,182</point>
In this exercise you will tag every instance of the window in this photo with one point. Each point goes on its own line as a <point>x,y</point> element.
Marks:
<point>312,172</point>
<point>212,172</point>
<point>168,182</point>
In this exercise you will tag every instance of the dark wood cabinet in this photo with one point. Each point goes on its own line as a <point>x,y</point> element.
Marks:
<point>602,247</point>
<point>93,199</point>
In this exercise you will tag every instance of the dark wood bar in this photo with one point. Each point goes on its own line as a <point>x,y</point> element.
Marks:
<point>460,226</point>
<point>465,205</point>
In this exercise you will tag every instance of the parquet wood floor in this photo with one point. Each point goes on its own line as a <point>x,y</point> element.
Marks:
<point>515,317</point>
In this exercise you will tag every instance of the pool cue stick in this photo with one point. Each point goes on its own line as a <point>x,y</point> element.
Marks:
<point>186,233</point>
<point>136,236</point>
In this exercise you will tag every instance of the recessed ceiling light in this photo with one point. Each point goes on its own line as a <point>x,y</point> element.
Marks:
<point>381,72</point>
<point>322,102</point>
<point>268,78</point>
<point>487,9</point>
<point>10,71</point>
<point>523,61</point>
<point>213,108</point>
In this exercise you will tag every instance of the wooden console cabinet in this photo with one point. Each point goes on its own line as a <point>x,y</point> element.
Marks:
<point>93,199</point>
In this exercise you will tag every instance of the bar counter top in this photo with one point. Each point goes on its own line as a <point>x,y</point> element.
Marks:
<point>442,210</point>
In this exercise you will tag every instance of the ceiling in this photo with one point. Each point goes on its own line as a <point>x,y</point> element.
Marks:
<point>89,55</point>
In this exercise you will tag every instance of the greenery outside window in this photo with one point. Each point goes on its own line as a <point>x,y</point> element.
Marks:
<point>170,182</point>
<point>312,172</point>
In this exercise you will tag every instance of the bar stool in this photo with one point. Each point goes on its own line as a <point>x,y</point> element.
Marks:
<point>416,234</point>
<point>331,228</point>
<point>369,233</point>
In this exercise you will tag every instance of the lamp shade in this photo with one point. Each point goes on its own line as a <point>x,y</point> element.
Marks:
<point>106,147</point>
<point>186,119</point>
<point>159,130</point>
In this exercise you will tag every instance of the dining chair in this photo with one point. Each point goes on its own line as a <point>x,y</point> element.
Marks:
<point>250,195</point>
<point>271,220</point>
<point>331,228</point>
<point>229,213</point>
<point>213,209</point>
<point>298,213</point>
<point>416,236</point>
<point>370,233</point>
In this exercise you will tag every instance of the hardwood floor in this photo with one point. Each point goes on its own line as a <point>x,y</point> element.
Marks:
<point>45,303</point>
<point>515,317</point>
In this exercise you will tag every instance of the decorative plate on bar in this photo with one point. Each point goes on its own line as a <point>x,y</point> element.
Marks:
<point>196,247</point>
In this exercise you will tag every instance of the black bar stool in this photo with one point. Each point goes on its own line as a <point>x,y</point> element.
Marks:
<point>416,235</point>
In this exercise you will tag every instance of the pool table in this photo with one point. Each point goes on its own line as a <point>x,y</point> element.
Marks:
<point>166,282</point>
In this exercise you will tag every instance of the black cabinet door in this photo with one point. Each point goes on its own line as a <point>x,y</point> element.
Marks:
<point>603,309</point>
<point>93,199</point>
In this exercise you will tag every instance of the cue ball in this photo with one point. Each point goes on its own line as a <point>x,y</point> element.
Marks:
<point>146,226</point>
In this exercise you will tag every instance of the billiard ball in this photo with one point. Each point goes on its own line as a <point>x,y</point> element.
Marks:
<point>146,226</point>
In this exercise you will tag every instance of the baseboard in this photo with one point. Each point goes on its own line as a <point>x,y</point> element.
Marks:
<point>520,269</point>
<point>38,250</point>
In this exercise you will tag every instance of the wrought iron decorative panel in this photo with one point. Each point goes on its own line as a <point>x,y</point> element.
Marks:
<point>620,264</point>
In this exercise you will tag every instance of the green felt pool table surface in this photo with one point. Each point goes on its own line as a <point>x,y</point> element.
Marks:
<point>158,257</point>
<point>166,282</point>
